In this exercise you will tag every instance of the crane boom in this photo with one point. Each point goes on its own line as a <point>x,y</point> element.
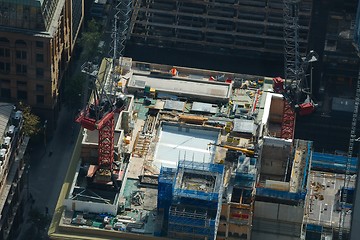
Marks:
<point>246,151</point>
<point>292,61</point>
<point>292,86</point>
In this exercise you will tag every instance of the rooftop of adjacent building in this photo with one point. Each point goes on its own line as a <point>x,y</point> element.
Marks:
<point>324,199</point>
<point>25,16</point>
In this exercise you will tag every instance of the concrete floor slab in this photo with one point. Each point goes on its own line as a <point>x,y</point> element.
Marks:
<point>185,143</point>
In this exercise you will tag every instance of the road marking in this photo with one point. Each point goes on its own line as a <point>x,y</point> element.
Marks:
<point>320,212</point>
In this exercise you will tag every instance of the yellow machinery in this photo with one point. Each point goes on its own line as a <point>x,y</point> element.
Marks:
<point>192,119</point>
<point>247,152</point>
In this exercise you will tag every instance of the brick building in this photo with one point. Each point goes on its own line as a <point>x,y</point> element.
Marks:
<point>37,38</point>
<point>13,145</point>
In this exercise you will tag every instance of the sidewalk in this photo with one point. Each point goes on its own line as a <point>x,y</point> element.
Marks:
<point>48,167</point>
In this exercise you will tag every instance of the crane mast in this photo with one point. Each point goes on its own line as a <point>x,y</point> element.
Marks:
<point>120,28</point>
<point>292,61</point>
<point>352,141</point>
<point>293,86</point>
<point>292,65</point>
<point>99,114</point>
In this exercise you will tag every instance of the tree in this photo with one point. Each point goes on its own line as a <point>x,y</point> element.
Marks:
<point>39,223</point>
<point>31,125</point>
<point>90,39</point>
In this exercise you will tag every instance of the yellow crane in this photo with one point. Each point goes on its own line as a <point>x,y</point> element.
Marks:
<point>247,152</point>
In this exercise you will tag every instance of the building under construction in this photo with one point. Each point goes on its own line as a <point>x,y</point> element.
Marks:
<point>193,205</point>
<point>225,26</point>
<point>199,155</point>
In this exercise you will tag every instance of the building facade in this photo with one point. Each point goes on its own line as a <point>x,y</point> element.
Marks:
<point>235,27</point>
<point>12,171</point>
<point>37,38</point>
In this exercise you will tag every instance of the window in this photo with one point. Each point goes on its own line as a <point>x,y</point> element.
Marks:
<point>39,88</point>
<point>4,40</point>
<point>21,83</point>
<point>5,81</point>
<point>21,69</point>
<point>21,94</point>
<point>39,72</point>
<point>39,44</point>
<point>39,57</point>
<point>4,67</point>
<point>5,93</point>
<point>4,52</point>
<point>20,43</point>
<point>20,54</point>
<point>40,99</point>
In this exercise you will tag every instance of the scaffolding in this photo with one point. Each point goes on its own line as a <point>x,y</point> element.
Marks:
<point>230,25</point>
<point>196,200</point>
<point>332,163</point>
<point>165,187</point>
<point>244,175</point>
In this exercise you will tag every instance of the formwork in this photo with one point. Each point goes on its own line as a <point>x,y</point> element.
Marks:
<point>231,26</point>
<point>196,203</point>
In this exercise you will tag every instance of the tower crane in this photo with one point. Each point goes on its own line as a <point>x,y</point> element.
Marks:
<point>293,86</point>
<point>99,112</point>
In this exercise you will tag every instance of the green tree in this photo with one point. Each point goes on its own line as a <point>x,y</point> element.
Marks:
<point>31,125</point>
<point>39,222</point>
<point>90,39</point>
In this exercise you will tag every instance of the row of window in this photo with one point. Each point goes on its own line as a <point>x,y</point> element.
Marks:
<point>5,93</point>
<point>20,54</point>
<point>21,43</point>
<point>6,82</point>
<point>21,69</point>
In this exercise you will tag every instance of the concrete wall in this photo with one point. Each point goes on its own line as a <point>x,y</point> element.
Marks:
<point>273,220</point>
<point>279,212</point>
<point>92,207</point>
<point>267,236</point>
<point>276,109</point>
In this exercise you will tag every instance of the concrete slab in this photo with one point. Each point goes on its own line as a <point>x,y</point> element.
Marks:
<point>135,167</point>
<point>198,89</point>
<point>185,143</point>
<point>322,210</point>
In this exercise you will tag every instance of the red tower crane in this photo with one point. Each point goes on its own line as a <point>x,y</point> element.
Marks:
<point>99,115</point>
<point>292,87</point>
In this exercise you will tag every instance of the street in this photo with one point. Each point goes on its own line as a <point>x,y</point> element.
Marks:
<point>48,167</point>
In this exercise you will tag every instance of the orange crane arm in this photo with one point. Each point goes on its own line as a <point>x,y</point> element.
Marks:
<point>248,152</point>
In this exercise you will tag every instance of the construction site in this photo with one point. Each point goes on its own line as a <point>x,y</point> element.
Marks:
<point>188,166</point>
<point>171,152</point>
